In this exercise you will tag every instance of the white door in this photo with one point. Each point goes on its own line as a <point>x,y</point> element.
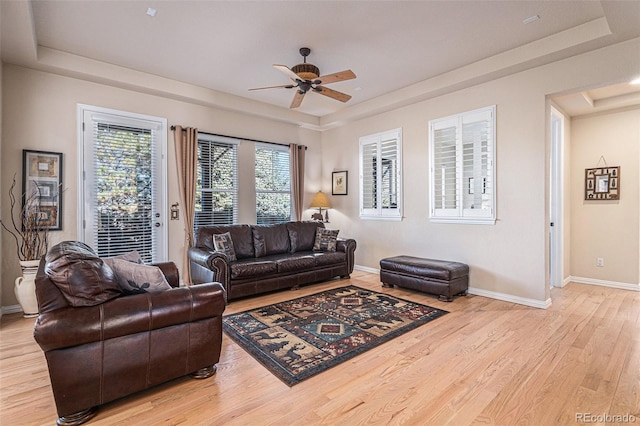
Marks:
<point>555,204</point>
<point>123,187</point>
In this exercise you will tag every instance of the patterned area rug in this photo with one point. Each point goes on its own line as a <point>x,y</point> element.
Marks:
<point>300,338</point>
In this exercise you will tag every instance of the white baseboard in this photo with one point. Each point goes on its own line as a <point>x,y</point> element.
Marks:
<point>485,293</point>
<point>366,269</point>
<point>11,309</point>
<point>510,298</point>
<point>604,283</point>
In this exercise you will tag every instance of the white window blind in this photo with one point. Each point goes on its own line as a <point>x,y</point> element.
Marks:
<point>217,181</point>
<point>381,175</point>
<point>273,184</point>
<point>124,189</point>
<point>462,154</point>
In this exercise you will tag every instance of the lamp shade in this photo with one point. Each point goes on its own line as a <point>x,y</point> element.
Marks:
<point>320,200</point>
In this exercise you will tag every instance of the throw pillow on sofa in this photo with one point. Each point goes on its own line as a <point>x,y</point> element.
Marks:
<point>82,277</point>
<point>132,256</point>
<point>223,243</point>
<point>326,239</point>
<point>137,278</point>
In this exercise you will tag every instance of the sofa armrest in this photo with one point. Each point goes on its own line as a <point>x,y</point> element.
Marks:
<point>209,266</point>
<point>347,245</point>
<point>128,315</point>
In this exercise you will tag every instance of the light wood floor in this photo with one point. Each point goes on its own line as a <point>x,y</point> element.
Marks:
<point>487,362</point>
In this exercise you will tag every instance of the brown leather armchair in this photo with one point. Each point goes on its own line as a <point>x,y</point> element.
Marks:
<point>100,353</point>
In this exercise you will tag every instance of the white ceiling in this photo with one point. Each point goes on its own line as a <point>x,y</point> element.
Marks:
<point>392,46</point>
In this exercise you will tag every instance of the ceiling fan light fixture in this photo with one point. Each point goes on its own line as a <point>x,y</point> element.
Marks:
<point>306,71</point>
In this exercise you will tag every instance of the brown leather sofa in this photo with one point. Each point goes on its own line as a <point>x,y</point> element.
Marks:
<point>128,343</point>
<point>269,257</point>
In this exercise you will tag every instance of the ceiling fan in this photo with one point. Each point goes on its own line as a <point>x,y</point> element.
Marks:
<point>306,77</point>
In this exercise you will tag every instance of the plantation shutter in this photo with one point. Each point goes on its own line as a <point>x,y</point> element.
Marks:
<point>217,181</point>
<point>273,184</point>
<point>445,170</point>
<point>123,186</point>
<point>380,175</point>
<point>369,179</point>
<point>388,175</point>
<point>462,166</point>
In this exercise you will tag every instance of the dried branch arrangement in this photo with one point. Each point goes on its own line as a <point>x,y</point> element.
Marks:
<point>27,229</point>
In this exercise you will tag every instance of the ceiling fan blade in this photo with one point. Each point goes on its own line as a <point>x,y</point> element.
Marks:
<point>337,76</point>
<point>285,69</point>
<point>297,99</point>
<point>286,86</point>
<point>334,94</point>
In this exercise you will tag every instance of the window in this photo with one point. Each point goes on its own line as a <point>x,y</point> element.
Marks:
<point>122,187</point>
<point>273,184</point>
<point>381,176</point>
<point>462,157</point>
<point>217,181</point>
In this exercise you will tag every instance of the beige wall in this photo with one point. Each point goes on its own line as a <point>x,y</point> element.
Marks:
<point>507,259</point>
<point>606,229</point>
<point>40,113</point>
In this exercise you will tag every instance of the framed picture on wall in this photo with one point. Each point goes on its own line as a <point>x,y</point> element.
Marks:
<point>602,183</point>
<point>339,183</point>
<point>42,187</point>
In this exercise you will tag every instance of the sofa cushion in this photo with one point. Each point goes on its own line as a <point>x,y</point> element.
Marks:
<point>250,269</point>
<point>82,277</point>
<point>241,236</point>
<point>302,235</point>
<point>270,239</point>
<point>137,278</point>
<point>296,263</point>
<point>326,239</point>
<point>224,243</point>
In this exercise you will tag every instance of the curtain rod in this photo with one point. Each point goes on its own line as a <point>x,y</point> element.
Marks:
<point>244,139</point>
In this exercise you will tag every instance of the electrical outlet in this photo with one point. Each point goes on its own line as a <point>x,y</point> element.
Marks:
<point>599,261</point>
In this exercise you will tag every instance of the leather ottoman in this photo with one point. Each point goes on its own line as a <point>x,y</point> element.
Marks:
<point>442,278</point>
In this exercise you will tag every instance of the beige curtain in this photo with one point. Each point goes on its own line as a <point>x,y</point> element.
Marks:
<point>296,158</point>
<point>186,143</point>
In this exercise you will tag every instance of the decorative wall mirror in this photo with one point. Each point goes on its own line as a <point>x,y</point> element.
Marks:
<point>602,183</point>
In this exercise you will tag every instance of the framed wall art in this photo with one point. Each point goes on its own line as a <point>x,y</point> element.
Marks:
<point>339,183</point>
<point>602,183</point>
<point>42,186</point>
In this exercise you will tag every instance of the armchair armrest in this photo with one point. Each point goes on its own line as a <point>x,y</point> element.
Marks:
<point>209,266</point>
<point>128,315</point>
<point>170,271</point>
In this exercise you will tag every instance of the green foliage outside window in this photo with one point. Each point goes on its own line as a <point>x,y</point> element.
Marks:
<point>273,186</point>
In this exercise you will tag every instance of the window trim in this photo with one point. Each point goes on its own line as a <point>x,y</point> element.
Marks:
<point>460,214</point>
<point>380,213</point>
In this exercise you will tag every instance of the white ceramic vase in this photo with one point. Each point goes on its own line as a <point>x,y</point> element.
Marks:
<point>25,287</point>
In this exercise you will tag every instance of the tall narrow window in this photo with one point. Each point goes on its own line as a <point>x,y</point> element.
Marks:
<point>381,175</point>
<point>217,181</point>
<point>462,157</point>
<point>122,189</point>
<point>273,184</point>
